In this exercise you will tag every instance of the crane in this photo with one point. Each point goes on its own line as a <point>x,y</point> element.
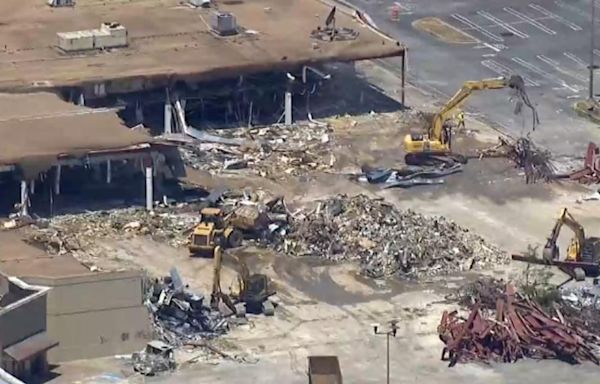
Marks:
<point>435,146</point>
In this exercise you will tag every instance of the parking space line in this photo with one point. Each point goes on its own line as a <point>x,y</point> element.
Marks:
<point>505,71</point>
<point>596,52</point>
<point>405,10</point>
<point>577,10</point>
<point>529,20</point>
<point>503,24</point>
<point>477,27</point>
<point>576,58</point>
<point>556,17</point>
<point>557,67</point>
<point>535,69</point>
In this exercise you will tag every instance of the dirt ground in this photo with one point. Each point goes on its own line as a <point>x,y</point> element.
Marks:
<point>329,309</point>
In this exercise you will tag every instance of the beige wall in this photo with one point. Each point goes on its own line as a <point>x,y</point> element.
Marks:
<point>96,315</point>
<point>22,321</point>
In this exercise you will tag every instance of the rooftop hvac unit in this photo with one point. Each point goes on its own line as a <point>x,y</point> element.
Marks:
<point>223,23</point>
<point>61,3</point>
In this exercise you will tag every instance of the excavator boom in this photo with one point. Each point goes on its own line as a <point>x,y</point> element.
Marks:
<point>438,139</point>
<point>575,248</point>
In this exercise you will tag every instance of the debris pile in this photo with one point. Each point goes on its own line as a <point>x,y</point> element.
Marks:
<point>533,160</point>
<point>72,233</point>
<point>180,316</point>
<point>408,176</point>
<point>515,329</point>
<point>581,306</point>
<point>274,150</point>
<point>386,241</point>
<point>157,357</point>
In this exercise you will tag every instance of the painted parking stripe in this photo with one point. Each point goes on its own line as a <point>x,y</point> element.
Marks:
<point>530,20</point>
<point>597,52</point>
<point>556,17</point>
<point>576,59</point>
<point>537,70</point>
<point>477,27</point>
<point>404,9</point>
<point>586,15</point>
<point>503,24</point>
<point>557,67</point>
<point>503,70</point>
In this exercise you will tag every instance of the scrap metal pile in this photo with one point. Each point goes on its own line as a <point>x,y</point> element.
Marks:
<point>268,151</point>
<point>179,315</point>
<point>386,241</point>
<point>506,326</point>
<point>533,160</point>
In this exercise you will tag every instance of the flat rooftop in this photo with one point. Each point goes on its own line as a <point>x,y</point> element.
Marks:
<point>18,258</point>
<point>169,39</point>
<point>41,127</point>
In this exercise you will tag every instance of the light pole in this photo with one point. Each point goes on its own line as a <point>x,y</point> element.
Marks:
<point>591,85</point>
<point>391,331</point>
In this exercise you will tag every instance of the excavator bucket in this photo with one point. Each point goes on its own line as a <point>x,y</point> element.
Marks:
<point>517,83</point>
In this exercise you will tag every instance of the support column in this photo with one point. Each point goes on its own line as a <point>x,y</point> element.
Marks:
<point>24,199</point>
<point>81,99</point>
<point>168,123</point>
<point>149,191</point>
<point>108,172</point>
<point>403,77</point>
<point>139,112</point>
<point>288,107</point>
<point>57,180</point>
<point>32,187</point>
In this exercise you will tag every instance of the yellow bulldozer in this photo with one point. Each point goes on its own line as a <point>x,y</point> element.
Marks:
<point>214,230</point>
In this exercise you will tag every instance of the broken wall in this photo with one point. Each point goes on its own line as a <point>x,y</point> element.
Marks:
<point>96,315</point>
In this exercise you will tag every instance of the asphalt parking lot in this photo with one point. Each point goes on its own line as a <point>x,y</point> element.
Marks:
<point>546,41</point>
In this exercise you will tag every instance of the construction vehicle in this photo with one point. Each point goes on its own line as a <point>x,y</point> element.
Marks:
<point>254,289</point>
<point>583,254</point>
<point>214,230</point>
<point>435,146</point>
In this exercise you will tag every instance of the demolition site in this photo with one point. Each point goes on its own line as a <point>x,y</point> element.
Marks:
<point>240,191</point>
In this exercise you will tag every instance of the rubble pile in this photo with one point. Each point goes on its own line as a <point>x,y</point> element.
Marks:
<point>271,151</point>
<point>386,241</point>
<point>181,316</point>
<point>516,328</point>
<point>581,306</point>
<point>533,160</point>
<point>72,233</point>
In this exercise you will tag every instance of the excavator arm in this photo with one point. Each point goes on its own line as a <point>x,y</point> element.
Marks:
<point>574,250</point>
<point>459,98</point>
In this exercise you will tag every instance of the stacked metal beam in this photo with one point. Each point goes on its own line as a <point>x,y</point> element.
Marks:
<point>517,328</point>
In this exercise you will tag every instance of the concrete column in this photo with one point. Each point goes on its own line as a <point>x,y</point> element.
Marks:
<point>149,191</point>
<point>288,108</point>
<point>81,99</point>
<point>108,172</point>
<point>139,113</point>
<point>57,180</point>
<point>168,123</point>
<point>32,187</point>
<point>24,199</point>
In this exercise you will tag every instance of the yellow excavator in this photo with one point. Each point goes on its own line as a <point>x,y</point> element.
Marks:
<point>580,249</point>
<point>435,146</point>
<point>254,289</point>
<point>583,253</point>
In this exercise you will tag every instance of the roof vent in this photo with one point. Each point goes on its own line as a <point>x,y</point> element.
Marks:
<point>223,23</point>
